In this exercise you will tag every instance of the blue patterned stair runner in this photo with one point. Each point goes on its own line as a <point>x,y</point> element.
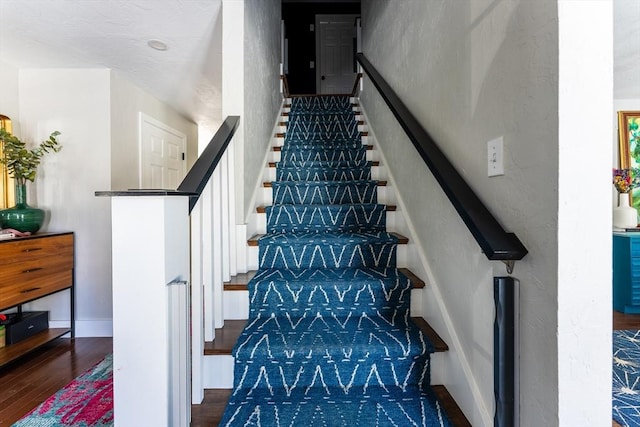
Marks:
<point>329,341</point>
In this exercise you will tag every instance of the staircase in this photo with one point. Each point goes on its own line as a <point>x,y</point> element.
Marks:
<point>329,338</point>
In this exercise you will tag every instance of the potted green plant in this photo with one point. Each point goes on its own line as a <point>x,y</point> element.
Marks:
<point>22,164</point>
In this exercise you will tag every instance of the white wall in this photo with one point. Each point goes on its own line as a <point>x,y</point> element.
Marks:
<point>127,101</point>
<point>472,71</point>
<point>97,113</point>
<point>9,92</point>
<point>262,97</point>
<point>76,103</point>
<point>584,276</point>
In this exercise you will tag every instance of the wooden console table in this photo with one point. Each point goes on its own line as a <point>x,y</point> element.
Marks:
<point>31,268</point>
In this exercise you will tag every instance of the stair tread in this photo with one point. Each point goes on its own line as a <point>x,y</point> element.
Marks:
<point>418,283</point>
<point>227,336</point>
<point>263,209</point>
<point>225,339</point>
<point>274,164</point>
<point>253,241</point>
<point>448,403</point>
<point>429,332</point>
<point>296,407</point>
<point>450,407</point>
<point>329,146</point>
<point>239,282</point>
<point>269,184</point>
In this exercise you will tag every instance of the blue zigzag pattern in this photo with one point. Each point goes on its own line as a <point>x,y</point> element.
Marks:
<point>343,218</point>
<point>324,154</point>
<point>319,173</point>
<point>329,340</point>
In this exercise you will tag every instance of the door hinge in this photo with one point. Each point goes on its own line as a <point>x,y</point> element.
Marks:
<point>182,156</point>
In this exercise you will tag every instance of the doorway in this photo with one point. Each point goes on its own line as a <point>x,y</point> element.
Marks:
<point>162,155</point>
<point>336,43</point>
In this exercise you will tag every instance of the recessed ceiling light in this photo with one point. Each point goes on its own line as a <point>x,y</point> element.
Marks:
<point>157,44</point>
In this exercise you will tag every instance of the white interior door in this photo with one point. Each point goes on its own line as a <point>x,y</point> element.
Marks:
<point>162,155</point>
<point>335,48</point>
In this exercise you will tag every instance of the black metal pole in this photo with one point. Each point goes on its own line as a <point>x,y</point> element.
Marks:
<point>504,351</point>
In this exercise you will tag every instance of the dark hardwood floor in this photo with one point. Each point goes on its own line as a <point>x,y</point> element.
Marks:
<point>625,321</point>
<point>29,381</point>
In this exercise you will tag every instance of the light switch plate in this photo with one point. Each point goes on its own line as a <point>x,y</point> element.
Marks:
<point>495,157</point>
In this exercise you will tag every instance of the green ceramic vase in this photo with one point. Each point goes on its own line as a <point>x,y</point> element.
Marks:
<point>22,217</point>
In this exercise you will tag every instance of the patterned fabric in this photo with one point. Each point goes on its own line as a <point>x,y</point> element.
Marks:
<point>324,104</point>
<point>320,173</point>
<point>325,192</point>
<point>342,218</point>
<point>324,154</point>
<point>329,341</point>
<point>85,402</point>
<point>626,377</point>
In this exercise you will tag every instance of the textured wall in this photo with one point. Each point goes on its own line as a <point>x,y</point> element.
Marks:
<point>262,97</point>
<point>472,71</point>
<point>9,91</point>
<point>127,101</point>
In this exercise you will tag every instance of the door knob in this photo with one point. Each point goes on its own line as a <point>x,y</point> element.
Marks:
<point>322,78</point>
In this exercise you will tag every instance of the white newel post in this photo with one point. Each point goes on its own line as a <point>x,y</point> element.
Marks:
<point>151,310</point>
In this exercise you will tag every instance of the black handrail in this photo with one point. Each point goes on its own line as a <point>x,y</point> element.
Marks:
<point>494,241</point>
<point>201,171</point>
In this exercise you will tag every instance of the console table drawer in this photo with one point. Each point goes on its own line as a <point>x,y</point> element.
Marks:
<point>30,268</point>
<point>20,251</point>
<point>34,287</point>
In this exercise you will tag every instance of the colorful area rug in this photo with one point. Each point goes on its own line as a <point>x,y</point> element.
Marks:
<point>85,402</point>
<point>626,377</point>
<point>329,340</point>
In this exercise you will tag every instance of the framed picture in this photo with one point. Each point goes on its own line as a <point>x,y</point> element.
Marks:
<point>629,140</point>
<point>5,181</point>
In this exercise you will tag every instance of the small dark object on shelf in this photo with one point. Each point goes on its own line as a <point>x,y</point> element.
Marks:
<point>26,325</point>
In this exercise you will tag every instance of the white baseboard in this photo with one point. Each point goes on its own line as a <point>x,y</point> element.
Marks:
<point>87,328</point>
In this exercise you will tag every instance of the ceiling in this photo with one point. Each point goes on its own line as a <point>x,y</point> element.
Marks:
<point>114,34</point>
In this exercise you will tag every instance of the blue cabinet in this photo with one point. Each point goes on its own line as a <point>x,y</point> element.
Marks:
<point>626,272</point>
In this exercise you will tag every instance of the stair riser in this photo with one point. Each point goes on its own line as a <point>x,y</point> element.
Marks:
<point>276,156</point>
<point>325,193</point>
<point>326,218</point>
<point>390,298</point>
<point>297,257</point>
<point>321,155</point>
<point>321,104</point>
<point>298,131</point>
<point>295,174</point>
<point>253,257</point>
<point>261,222</point>
<point>349,376</point>
<point>236,304</point>
<point>271,174</point>
<point>219,370</point>
<point>322,117</point>
<point>362,137</point>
